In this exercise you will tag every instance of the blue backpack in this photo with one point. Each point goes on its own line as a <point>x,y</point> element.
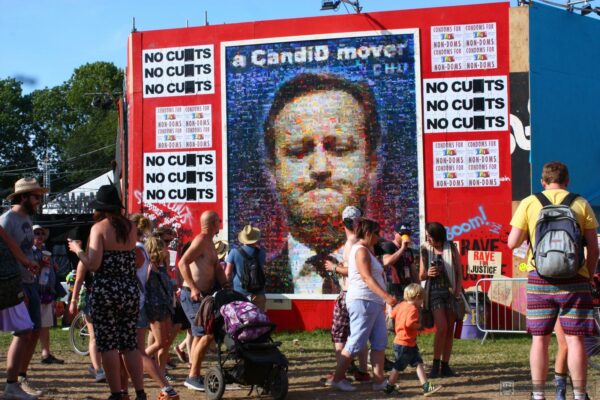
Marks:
<point>558,251</point>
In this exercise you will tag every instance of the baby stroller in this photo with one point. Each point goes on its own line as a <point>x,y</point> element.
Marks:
<point>257,363</point>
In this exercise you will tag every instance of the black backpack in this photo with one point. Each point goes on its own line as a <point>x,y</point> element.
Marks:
<point>253,276</point>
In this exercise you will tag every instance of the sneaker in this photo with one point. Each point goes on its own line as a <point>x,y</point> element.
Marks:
<point>13,391</point>
<point>389,389</point>
<point>182,355</point>
<point>360,376</point>
<point>170,378</point>
<point>29,388</point>
<point>343,385</point>
<point>50,359</point>
<point>91,370</point>
<point>100,376</point>
<point>328,379</point>
<point>429,389</point>
<point>561,389</point>
<point>194,383</point>
<point>380,387</point>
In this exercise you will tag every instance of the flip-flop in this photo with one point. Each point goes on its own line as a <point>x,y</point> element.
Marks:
<point>182,355</point>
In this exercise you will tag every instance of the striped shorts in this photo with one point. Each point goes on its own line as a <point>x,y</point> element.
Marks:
<point>568,299</point>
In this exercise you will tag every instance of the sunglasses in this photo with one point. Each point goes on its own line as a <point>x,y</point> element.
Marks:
<point>38,233</point>
<point>36,196</point>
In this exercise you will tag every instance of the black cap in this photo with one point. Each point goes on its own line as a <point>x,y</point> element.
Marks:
<point>402,229</point>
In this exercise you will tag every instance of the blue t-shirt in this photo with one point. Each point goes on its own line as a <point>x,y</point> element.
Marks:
<point>237,259</point>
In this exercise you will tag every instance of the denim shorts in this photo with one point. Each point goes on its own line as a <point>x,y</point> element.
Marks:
<point>367,323</point>
<point>406,356</point>
<point>190,308</point>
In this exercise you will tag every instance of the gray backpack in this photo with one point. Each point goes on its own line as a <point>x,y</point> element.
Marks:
<point>558,251</point>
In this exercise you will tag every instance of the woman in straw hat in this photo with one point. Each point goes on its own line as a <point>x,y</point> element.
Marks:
<point>115,299</point>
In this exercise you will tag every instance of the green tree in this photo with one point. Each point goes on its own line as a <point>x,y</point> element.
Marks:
<point>16,132</point>
<point>76,123</point>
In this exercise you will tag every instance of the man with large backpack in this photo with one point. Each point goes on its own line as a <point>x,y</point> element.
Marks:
<point>245,266</point>
<point>558,225</point>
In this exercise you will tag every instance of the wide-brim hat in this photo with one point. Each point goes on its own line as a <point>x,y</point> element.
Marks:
<point>107,199</point>
<point>249,235</point>
<point>27,185</point>
<point>221,246</point>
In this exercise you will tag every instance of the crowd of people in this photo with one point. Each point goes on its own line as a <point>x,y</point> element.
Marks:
<point>135,300</point>
<point>380,277</point>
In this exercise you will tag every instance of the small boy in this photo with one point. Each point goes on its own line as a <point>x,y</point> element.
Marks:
<point>407,326</point>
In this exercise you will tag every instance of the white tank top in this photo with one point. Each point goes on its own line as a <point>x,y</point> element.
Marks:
<point>357,288</point>
<point>142,272</point>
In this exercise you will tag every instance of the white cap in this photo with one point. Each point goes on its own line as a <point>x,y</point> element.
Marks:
<point>351,212</point>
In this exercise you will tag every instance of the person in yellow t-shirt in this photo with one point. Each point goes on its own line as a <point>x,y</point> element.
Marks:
<point>568,300</point>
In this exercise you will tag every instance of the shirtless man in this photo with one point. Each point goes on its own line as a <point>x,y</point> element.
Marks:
<point>200,270</point>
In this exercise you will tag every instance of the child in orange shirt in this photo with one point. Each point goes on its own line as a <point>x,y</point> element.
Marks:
<point>407,326</point>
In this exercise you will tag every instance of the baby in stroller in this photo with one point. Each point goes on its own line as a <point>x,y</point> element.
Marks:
<point>246,354</point>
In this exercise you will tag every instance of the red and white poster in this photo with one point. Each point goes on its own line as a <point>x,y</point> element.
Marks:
<point>296,119</point>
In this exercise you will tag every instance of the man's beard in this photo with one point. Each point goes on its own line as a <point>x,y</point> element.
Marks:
<point>28,207</point>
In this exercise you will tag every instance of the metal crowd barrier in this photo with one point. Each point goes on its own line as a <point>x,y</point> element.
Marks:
<point>500,305</point>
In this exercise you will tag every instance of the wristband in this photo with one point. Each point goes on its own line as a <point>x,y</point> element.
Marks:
<point>79,253</point>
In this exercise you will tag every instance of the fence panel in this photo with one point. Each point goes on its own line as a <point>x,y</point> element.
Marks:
<point>501,305</point>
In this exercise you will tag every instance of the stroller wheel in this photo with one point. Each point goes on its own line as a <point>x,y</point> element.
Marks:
<point>279,382</point>
<point>214,383</point>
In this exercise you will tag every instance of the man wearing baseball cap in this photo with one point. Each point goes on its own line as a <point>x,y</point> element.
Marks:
<point>25,200</point>
<point>399,260</point>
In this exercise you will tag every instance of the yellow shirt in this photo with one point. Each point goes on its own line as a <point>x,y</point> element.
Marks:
<point>526,217</point>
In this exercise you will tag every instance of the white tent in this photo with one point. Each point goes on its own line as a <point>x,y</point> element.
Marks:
<point>77,200</point>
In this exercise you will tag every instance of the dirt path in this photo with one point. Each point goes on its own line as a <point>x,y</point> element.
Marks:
<point>71,381</point>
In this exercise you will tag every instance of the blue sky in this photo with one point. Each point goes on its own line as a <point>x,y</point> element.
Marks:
<point>43,41</point>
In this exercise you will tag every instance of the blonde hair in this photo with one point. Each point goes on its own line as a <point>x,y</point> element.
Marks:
<point>413,291</point>
<point>155,246</point>
<point>142,223</point>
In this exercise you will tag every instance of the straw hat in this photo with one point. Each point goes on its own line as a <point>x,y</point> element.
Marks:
<point>27,185</point>
<point>107,199</point>
<point>249,235</point>
<point>221,246</point>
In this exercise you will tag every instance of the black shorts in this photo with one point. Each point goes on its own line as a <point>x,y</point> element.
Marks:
<point>180,318</point>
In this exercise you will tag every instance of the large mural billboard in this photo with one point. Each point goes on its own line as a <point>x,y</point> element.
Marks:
<point>313,126</point>
<point>282,124</point>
